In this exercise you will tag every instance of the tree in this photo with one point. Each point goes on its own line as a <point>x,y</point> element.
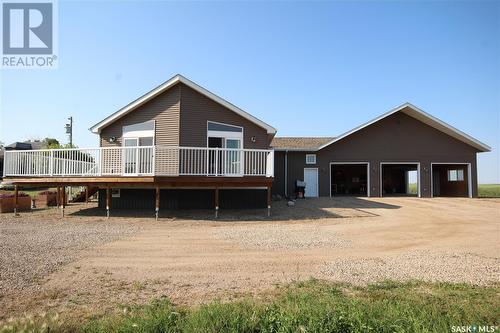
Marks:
<point>52,143</point>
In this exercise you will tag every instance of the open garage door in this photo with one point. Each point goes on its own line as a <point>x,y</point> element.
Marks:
<point>400,179</point>
<point>450,180</point>
<point>349,179</point>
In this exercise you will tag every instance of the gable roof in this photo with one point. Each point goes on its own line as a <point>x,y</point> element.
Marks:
<point>424,117</point>
<point>299,143</point>
<point>166,85</point>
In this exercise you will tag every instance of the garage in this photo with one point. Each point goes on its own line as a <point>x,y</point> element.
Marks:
<point>400,179</point>
<point>349,179</point>
<point>399,148</point>
<point>450,180</point>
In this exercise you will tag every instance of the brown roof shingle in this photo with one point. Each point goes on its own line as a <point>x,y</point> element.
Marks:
<point>299,142</point>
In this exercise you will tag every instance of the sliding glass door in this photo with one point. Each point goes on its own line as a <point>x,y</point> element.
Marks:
<point>233,158</point>
<point>138,156</point>
<point>130,155</point>
<point>228,159</point>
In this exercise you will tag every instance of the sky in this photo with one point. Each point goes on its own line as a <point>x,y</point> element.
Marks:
<point>306,68</point>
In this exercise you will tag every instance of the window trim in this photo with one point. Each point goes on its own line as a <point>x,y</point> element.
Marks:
<point>226,134</point>
<point>140,133</point>
<point>458,173</point>
<point>309,162</point>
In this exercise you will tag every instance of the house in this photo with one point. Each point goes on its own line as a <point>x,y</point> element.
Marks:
<point>382,158</point>
<point>177,146</point>
<point>181,146</point>
<point>26,145</point>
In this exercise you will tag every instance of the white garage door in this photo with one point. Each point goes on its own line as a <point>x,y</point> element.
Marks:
<point>311,179</point>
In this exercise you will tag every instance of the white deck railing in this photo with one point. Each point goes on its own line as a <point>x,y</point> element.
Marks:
<point>139,161</point>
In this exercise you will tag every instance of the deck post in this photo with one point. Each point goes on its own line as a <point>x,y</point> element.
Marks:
<point>86,195</point>
<point>108,201</point>
<point>269,187</point>
<point>16,193</point>
<point>216,202</point>
<point>58,197</point>
<point>157,202</point>
<point>63,199</point>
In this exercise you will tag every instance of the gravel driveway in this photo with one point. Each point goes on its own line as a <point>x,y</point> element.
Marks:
<point>35,245</point>
<point>416,265</point>
<point>86,264</point>
<point>280,237</point>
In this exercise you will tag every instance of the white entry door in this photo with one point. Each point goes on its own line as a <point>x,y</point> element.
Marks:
<point>311,179</point>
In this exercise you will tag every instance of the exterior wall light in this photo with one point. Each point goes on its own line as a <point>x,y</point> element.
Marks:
<point>112,139</point>
<point>253,139</point>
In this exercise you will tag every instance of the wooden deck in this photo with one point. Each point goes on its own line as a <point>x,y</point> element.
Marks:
<point>153,182</point>
<point>143,181</point>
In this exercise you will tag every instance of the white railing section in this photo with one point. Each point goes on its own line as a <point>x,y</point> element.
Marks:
<point>139,161</point>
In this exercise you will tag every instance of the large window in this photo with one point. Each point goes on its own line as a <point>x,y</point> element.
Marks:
<point>224,135</point>
<point>456,175</point>
<point>143,131</point>
<point>228,161</point>
<point>138,160</point>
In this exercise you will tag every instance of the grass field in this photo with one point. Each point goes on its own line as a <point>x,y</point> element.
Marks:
<point>412,188</point>
<point>311,306</point>
<point>489,190</point>
<point>484,190</point>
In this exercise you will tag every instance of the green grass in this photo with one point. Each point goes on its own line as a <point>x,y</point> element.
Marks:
<point>32,192</point>
<point>312,306</point>
<point>484,190</point>
<point>489,190</point>
<point>412,188</point>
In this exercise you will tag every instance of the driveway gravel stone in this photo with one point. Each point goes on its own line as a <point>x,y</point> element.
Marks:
<point>416,265</point>
<point>282,237</point>
<point>32,248</point>
<point>84,264</point>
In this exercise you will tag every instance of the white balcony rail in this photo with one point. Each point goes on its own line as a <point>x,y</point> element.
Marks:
<point>139,161</point>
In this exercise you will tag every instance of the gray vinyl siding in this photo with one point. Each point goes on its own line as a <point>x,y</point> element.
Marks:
<point>397,138</point>
<point>181,116</point>
<point>197,109</point>
<point>164,109</point>
<point>279,173</point>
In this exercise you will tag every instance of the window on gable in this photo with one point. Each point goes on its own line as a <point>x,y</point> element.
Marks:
<point>455,175</point>
<point>310,158</point>
<point>213,126</point>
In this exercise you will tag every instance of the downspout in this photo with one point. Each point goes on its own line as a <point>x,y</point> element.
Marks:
<point>286,173</point>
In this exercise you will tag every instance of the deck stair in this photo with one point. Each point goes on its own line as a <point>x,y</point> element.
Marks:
<point>80,195</point>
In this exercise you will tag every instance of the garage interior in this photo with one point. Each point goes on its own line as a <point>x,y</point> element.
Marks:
<point>450,180</point>
<point>349,179</point>
<point>400,179</point>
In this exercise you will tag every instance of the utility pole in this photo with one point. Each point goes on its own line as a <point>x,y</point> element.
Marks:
<point>69,131</point>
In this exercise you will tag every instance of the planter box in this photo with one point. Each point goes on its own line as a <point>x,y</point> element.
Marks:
<point>46,200</point>
<point>7,204</point>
